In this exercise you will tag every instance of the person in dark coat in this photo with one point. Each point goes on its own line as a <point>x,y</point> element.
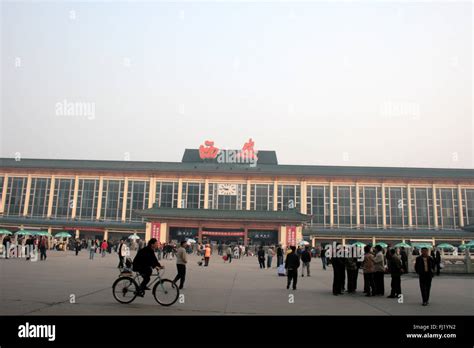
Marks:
<point>77,246</point>
<point>279,255</point>
<point>437,257</point>
<point>144,263</point>
<point>292,263</point>
<point>404,259</point>
<point>424,267</point>
<point>30,245</point>
<point>261,257</point>
<point>339,273</point>
<point>395,269</point>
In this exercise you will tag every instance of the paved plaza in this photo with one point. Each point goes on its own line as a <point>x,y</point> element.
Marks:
<point>239,288</point>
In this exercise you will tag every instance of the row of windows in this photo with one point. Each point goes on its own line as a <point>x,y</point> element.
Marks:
<point>370,205</point>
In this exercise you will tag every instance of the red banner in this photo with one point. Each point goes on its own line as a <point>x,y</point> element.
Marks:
<point>208,233</point>
<point>291,235</point>
<point>155,230</point>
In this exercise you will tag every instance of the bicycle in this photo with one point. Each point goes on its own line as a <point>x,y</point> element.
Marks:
<point>126,289</point>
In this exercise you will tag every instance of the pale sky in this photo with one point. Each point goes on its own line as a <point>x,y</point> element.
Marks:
<point>333,83</point>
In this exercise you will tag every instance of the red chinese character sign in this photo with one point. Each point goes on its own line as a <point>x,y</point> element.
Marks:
<point>208,150</point>
<point>248,151</point>
<point>155,230</point>
<point>291,235</point>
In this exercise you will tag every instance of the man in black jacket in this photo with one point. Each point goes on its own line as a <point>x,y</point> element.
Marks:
<point>279,255</point>
<point>292,263</point>
<point>144,263</point>
<point>395,269</point>
<point>424,266</point>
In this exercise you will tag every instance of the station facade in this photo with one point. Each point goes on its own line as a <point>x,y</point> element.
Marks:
<point>241,196</point>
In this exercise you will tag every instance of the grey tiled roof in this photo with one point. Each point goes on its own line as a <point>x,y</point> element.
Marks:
<point>379,232</point>
<point>241,169</point>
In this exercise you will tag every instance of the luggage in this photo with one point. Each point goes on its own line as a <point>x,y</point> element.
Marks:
<point>281,270</point>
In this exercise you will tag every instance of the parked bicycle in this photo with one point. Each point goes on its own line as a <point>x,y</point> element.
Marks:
<point>126,288</point>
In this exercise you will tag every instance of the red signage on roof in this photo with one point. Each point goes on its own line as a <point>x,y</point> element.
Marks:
<point>209,151</point>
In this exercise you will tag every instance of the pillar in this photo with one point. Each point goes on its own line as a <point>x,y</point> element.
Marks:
<point>410,220</point>
<point>384,211</point>
<point>282,236</point>
<point>99,200</point>
<point>4,193</point>
<point>303,198</point>
<point>331,204</point>
<point>249,197</point>
<point>147,231</point>
<point>51,196</point>
<point>180,193</point>
<point>124,201</point>
<point>435,207</point>
<point>106,234</point>
<point>461,213</point>
<point>275,195</point>
<point>27,196</point>
<point>77,234</point>
<point>373,240</point>
<point>200,235</point>
<point>357,205</point>
<point>246,236</point>
<point>206,194</point>
<point>163,232</point>
<point>151,192</point>
<point>76,191</point>
<point>343,241</point>
<point>299,234</point>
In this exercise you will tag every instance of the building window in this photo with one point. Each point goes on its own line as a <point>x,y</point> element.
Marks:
<point>317,202</point>
<point>193,195</point>
<point>288,197</point>
<point>422,207</point>
<point>87,198</point>
<point>15,196</point>
<point>371,214</point>
<point>137,198</point>
<point>63,198</point>
<point>344,206</point>
<point>167,194</point>
<point>227,196</point>
<point>39,197</point>
<point>261,197</point>
<point>396,206</point>
<point>112,199</point>
<point>468,206</point>
<point>447,206</point>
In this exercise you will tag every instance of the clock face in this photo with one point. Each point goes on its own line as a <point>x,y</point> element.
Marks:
<point>227,189</point>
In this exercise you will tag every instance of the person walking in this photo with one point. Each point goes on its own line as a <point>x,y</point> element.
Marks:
<point>270,255</point>
<point>103,248</point>
<point>77,246</point>
<point>324,259</point>
<point>30,245</point>
<point>43,245</point>
<point>424,267</point>
<point>207,255</point>
<point>395,269</point>
<point>369,270</point>
<point>261,257</point>
<point>279,255</point>
<point>306,259</point>
<point>379,267</point>
<point>292,263</point>
<point>92,250</point>
<point>228,252</point>
<point>181,261</point>
<point>122,253</point>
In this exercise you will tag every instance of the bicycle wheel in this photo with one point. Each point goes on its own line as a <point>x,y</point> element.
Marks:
<point>165,292</point>
<point>125,289</point>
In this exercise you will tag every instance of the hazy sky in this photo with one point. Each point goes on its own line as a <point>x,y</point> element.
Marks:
<point>341,83</point>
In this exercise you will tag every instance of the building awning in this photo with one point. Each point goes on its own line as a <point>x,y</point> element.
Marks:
<point>388,233</point>
<point>287,216</point>
<point>72,224</point>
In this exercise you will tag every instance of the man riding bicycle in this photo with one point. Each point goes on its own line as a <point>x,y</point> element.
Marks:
<point>144,263</point>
